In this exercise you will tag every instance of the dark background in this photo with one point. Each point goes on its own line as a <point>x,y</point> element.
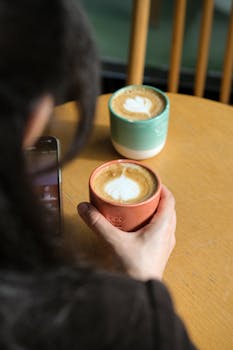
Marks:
<point>111,25</point>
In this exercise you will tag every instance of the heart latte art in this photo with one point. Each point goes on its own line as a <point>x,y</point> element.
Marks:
<point>125,183</point>
<point>138,103</point>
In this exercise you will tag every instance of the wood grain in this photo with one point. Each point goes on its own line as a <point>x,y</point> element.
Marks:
<point>197,165</point>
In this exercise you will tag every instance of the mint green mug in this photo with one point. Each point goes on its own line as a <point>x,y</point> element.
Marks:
<point>138,127</point>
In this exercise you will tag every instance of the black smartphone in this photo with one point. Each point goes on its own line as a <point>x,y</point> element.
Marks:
<point>47,185</point>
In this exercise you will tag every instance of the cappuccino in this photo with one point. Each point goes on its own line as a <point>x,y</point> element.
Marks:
<point>125,183</point>
<point>138,103</point>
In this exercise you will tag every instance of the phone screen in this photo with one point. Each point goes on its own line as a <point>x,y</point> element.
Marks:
<point>47,185</point>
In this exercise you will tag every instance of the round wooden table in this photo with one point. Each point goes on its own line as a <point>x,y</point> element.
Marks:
<point>197,165</point>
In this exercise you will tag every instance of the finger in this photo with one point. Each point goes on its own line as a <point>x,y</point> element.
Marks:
<point>173,221</point>
<point>173,236</point>
<point>98,223</point>
<point>165,208</point>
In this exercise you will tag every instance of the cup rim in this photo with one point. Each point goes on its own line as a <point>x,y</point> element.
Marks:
<point>122,205</point>
<point>158,116</point>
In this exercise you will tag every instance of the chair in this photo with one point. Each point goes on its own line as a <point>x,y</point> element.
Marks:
<point>138,40</point>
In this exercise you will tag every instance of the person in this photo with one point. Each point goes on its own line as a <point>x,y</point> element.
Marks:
<point>46,301</point>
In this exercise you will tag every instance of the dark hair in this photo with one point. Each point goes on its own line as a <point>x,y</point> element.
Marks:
<point>45,48</point>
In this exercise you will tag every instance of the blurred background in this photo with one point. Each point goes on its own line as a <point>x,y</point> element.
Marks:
<point>111,21</point>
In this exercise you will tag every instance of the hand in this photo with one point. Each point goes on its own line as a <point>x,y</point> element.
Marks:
<point>145,252</point>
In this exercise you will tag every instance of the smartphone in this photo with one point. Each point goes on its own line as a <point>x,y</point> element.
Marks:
<point>47,185</point>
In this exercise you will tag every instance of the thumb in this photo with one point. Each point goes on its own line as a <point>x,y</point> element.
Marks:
<point>98,223</point>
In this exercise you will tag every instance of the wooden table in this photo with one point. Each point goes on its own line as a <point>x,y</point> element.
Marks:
<point>197,165</point>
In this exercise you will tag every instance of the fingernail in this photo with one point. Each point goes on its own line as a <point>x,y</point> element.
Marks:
<point>83,208</point>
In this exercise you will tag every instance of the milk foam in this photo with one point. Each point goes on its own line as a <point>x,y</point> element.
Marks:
<point>122,189</point>
<point>138,104</point>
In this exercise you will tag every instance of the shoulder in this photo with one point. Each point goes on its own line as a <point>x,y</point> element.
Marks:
<point>74,307</point>
<point>116,308</point>
<point>82,307</point>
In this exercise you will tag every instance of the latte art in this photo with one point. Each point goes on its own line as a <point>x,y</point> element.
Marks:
<point>138,103</point>
<point>125,183</point>
<point>122,189</point>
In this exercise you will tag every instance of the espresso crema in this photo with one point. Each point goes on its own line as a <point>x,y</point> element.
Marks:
<point>125,183</point>
<point>138,103</point>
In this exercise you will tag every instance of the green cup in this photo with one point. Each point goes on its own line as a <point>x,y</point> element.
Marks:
<point>139,138</point>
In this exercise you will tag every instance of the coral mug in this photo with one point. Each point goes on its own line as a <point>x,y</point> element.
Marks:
<point>115,188</point>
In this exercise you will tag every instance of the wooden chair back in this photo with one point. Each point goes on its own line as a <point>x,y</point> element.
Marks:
<point>138,41</point>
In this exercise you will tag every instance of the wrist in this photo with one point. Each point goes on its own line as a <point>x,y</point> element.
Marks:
<point>143,275</point>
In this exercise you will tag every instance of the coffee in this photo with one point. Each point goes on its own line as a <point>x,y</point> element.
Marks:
<point>125,183</point>
<point>138,103</point>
